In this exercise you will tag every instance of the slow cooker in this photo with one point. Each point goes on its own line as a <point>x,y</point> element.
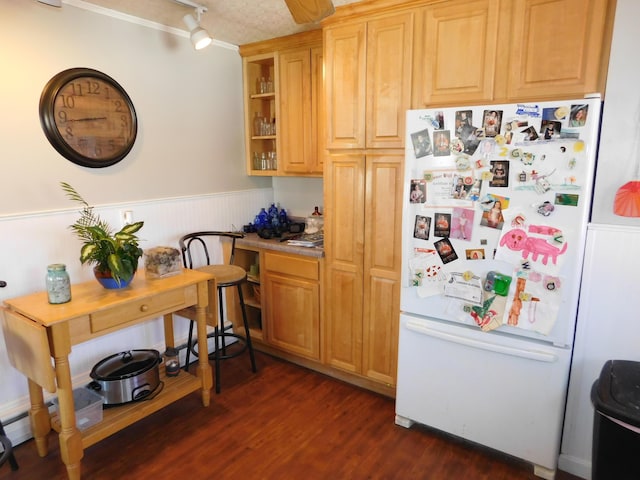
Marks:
<point>127,376</point>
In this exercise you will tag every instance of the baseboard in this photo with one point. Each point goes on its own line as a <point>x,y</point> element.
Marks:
<point>575,466</point>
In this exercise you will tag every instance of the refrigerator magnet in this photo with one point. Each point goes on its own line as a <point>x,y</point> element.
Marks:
<point>469,290</point>
<point>445,251</point>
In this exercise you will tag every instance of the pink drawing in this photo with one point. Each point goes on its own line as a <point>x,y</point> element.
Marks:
<point>517,239</point>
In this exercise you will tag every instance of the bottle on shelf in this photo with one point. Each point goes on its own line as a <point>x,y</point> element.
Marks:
<point>257,124</point>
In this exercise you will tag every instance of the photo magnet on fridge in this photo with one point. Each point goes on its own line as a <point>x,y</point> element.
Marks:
<point>421,143</point>
<point>445,250</point>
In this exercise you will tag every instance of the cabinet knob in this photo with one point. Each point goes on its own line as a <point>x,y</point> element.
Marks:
<point>144,308</point>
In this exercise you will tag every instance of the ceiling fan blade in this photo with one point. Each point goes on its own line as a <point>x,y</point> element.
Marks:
<point>310,11</point>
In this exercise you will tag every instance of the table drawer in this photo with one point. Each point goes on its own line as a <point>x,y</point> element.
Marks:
<point>298,266</point>
<point>144,308</point>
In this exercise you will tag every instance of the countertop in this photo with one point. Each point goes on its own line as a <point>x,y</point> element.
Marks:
<point>253,240</point>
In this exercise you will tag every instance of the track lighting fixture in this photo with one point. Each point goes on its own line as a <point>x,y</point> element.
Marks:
<point>200,38</point>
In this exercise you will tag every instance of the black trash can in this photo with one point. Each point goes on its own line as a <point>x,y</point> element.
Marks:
<point>616,422</point>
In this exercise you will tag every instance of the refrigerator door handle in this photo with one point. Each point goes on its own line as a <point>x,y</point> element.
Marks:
<point>420,328</point>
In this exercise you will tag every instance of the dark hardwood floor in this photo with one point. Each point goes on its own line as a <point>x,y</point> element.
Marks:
<point>283,422</point>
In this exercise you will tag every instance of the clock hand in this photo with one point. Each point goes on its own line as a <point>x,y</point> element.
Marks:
<point>89,119</point>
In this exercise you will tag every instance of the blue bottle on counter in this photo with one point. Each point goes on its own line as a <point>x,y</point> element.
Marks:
<point>263,218</point>
<point>283,217</point>
<point>58,284</point>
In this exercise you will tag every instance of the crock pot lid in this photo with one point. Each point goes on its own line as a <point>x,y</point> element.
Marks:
<point>125,364</point>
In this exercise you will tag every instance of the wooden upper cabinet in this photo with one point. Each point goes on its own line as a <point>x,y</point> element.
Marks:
<point>368,82</point>
<point>317,110</point>
<point>345,82</point>
<point>558,47</point>
<point>456,48</point>
<point>295,110</point>
<point>389,54</point>
<point>294,63</point>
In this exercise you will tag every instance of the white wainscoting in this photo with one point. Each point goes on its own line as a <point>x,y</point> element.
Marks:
<point>33,240</point>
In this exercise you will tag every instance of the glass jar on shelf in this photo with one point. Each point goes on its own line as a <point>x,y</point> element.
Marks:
<point>258,124</point>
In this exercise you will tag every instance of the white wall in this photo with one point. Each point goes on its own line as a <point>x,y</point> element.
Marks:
<point>189,106</point>
<point>619,153</point>
<point>185,172</point>
<point>608,326</point>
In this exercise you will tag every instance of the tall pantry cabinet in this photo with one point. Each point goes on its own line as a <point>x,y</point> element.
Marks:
<point>368,89</point>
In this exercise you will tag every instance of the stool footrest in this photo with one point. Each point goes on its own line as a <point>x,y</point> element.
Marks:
<point>212,355</point>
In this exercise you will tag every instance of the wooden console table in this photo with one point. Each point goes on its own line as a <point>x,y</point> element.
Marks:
<point>36,331</point>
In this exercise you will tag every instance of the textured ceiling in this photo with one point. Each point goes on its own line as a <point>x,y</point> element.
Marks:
<point>232,21</point>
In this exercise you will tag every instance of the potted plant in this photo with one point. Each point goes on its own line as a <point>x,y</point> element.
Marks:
<point>114,255</point>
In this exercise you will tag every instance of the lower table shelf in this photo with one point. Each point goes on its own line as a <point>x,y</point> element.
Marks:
<point>116,418</point>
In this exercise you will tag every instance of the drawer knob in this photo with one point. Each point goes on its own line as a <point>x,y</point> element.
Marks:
<point>144,308</point>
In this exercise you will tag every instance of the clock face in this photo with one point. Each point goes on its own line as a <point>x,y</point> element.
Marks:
<point>88,117</point>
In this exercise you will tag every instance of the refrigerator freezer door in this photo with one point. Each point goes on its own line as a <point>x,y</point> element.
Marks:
<point>504,393</point>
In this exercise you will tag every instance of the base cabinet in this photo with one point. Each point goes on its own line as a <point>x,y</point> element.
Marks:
<point>282,301</point>
<point>291,289</point>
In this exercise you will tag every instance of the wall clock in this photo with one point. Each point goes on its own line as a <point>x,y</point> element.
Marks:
<point>88,117</point>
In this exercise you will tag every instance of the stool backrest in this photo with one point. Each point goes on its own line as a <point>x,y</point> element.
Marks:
<point>196,241</point>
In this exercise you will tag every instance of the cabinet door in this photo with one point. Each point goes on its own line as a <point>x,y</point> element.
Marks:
<point>292,297</point>
<point>316,163</point>
<point>296,139</point>
<point>557,47</point>
<point>382,266</point>
<point>344,243</point>
<point>345,83</point>
<point>388,89</point>
<point>455,53</point>
<point>293,311</point>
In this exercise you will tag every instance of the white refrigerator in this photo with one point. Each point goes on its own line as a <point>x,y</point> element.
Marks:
<point>495,213</point>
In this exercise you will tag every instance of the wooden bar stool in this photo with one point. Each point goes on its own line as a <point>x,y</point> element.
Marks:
<point>194,247</point>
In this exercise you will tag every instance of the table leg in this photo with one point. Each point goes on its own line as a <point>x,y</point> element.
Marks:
<point>204,369</point>
<point>169,337</point>
<point>39,418</point>
<point>70,437</point>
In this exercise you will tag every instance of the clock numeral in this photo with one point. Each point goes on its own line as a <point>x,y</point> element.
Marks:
<point>69,133</point>
<point>124,121</point>
<point>62,116</point>
<point>76,89</point>
<point>120,107</point>
<point>68,101</point>
<point>93,88</point>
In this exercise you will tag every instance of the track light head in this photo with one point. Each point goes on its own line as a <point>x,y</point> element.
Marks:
<point>200,38</point>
